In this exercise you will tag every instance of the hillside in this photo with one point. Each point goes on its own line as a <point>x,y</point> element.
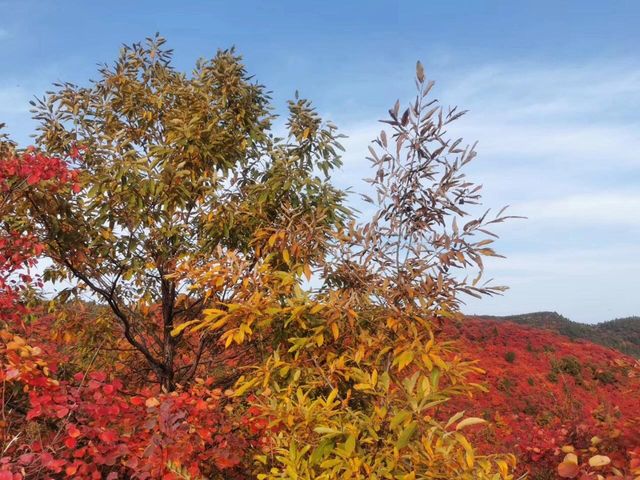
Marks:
<point>547,392</point>
<point>622,334</point>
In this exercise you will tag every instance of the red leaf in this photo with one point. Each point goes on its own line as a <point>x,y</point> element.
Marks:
<point>33,179</point>
<point>70,442</point>
<point>108,436</point>
<point>62,412</point>
<point>73,431</point>
<point>98,376</point>
<point>80,452</point>
<point>94,385</point>
<point>26,458</point>
<point>223,462</point>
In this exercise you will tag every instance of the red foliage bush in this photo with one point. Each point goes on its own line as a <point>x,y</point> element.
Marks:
<point>89,425</point>
<point>547,392</point>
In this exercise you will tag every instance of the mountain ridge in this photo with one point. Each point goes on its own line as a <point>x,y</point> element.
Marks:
<point>621,334</point>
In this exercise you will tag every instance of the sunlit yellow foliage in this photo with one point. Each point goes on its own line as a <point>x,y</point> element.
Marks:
<point>348,367</point>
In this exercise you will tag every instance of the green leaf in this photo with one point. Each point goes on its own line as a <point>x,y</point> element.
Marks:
<point>399,418</point>
<point>404,359</point>
<point>321,451</point>
<point>405,436</point>
<point>350,444</point>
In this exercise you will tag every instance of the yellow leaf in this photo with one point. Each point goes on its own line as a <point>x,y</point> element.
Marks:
<point>468,450</point>
<point>469,421</point>
<point>219,323</point>
<point>399,418</point>
<point>316,308</point>
<point>438,361</point>
<point>503,467</point>
<point>429,344</point>
<point>599,461</point>
<point>243,388</point>
<point>307,272</point>
<point>404,359</point>
<point>571,458</point>
<point>335,331</point>
<point>176,331</point>
<point>362,386</point>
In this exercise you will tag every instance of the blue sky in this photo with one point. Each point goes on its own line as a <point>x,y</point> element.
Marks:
<point>553,88</point>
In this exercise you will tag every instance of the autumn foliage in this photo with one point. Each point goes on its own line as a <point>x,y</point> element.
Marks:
<point>550,396</point>
<point>220,311</point>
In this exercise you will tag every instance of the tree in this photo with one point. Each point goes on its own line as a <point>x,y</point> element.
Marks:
<point>172,168</point>
<point>352,375</point>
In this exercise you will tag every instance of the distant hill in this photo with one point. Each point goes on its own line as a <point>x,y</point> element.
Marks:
<point>622,334</point>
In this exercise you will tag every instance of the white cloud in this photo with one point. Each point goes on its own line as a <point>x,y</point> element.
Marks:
<point>4,33</point>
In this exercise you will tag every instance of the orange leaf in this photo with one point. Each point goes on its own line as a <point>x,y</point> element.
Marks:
<point>568,470</point>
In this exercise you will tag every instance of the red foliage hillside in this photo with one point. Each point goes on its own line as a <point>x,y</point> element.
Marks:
<point>547,392</point>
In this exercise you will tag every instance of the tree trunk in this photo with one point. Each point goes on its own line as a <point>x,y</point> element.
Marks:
<point>168,341</point>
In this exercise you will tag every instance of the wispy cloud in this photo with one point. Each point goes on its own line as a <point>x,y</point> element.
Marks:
<point>587,285</point>
<point>14,100</point>
<point>603,209</point>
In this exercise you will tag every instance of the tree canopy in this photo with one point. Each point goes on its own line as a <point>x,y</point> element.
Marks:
<point>173,168</point>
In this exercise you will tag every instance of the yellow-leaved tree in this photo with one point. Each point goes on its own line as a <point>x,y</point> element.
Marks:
<point>337,326</point>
